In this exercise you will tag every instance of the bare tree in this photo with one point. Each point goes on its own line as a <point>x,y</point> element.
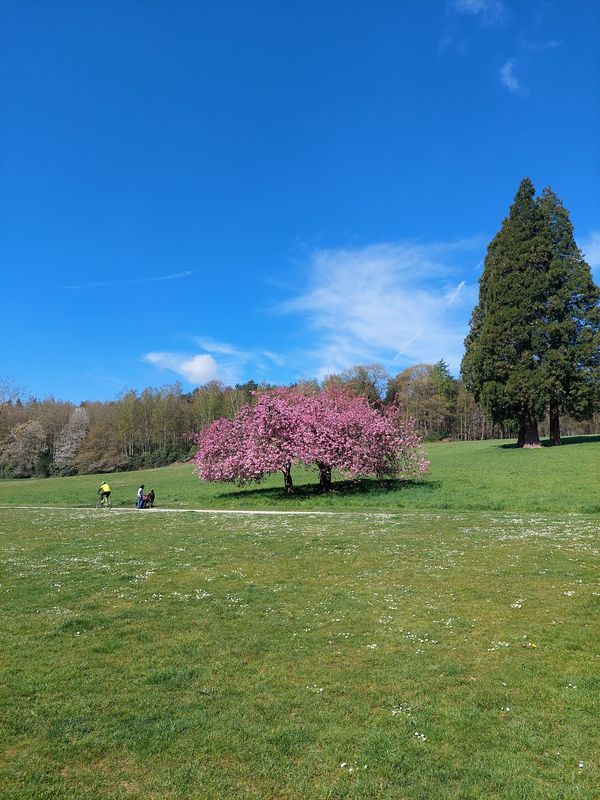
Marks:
<point>21,451</point>
<point>10,391</point>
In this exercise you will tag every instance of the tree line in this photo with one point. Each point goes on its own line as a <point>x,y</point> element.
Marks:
<point>148,428</point>
<point>135,430</point>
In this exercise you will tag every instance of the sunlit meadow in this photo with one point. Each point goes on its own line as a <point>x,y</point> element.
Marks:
<point>487,475</point>
<point>417,654</point>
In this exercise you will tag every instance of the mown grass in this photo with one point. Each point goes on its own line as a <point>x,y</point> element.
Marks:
<point>434,654</point>
<point>490,475</point>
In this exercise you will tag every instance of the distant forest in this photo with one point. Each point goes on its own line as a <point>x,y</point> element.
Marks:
<point>148,428</point>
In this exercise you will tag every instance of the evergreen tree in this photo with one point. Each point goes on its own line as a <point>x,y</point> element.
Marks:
<point>571,326</point>
<point>501,365</point>
<point>445,384</point>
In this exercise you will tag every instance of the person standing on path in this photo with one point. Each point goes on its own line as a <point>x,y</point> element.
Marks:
<point>140,496</point>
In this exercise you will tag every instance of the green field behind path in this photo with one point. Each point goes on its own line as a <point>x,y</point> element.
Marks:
<point>191,656</point>
<point>488,475</point>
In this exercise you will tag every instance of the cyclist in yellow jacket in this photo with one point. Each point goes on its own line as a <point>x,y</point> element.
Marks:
<point>104,491</point>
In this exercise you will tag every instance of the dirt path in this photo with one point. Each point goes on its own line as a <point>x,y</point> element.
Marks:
<point>193,510</point>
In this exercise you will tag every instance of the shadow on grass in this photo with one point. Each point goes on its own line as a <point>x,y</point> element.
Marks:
<point>566,440</point>
<point>345,488</point>
<point>579,440</point>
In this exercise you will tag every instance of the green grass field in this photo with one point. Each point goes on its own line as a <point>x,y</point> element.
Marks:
<point>428,652</point>
<point>490,475</point>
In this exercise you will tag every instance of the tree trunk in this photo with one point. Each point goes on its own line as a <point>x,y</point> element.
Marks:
<point>554,424</point>
<point>528,432</point>
<point>287,479</point>
<point>324,476</point>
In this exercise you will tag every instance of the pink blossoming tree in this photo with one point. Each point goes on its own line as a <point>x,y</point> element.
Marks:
<point>328,429</point>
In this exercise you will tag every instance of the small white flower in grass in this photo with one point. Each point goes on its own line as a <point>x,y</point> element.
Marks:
<point>420,736</point>
<point>343,765</point>
<point>371,646</point>
<point>569,594</point>
<point>402,709</point>
<point>581,765</point>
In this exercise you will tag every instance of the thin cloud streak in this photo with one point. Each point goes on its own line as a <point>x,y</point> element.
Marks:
<point>540,47</point>
<point>106,380</point>
<point>276,358</point>
<point>101,284</point>
<point>222,348</point>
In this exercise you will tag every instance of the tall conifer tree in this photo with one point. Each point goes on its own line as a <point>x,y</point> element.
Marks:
<point>571,331</point>
<point>501,365</point>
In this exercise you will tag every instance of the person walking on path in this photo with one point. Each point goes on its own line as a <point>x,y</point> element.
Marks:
<point>140,496</point>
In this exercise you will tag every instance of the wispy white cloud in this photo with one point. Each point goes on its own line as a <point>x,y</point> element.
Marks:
<point>395,304</point>
<point>530,45</point>
<point>590,247</point>
<point>196,369</point>
<point>391,303</point>
<point>235,361</point>
<point>509,79</point>
<point>218,361</point>
<point>98,284</point>
<point>489,12</point>
<point>457,32</point>
<point>540,47</point>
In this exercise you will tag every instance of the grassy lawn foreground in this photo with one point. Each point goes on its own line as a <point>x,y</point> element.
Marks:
<point>417,656</point>
<point>489,475</point>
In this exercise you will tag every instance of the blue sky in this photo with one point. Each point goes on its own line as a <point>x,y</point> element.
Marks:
<point>273,189</point>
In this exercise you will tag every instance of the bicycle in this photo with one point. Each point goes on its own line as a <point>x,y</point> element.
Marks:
<point>104,502</point>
